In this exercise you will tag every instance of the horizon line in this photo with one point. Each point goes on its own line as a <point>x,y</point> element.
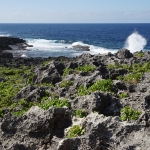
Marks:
<point>78,23</point>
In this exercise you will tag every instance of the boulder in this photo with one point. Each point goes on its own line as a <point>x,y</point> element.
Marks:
<point>99,101</point>
<point>124,53</point>
<point>82,47</point>
<point>35,129</point>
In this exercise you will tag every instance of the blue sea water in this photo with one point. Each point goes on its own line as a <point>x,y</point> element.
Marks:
<point>57,39</point>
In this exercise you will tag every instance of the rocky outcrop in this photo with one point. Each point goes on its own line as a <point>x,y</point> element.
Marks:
<point>6,41</point>
<point>124,53</point>
<point>103,128</point>
<point>34,130</point>
<point>102,133</point>
<point>6,55</point>
<point>81,46</point>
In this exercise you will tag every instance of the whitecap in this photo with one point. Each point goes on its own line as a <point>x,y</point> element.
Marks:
<point>24,56</point>
<point>135,42</point>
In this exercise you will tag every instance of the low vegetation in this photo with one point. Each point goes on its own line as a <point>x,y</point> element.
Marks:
<point>123,95</point>
<point>66,83</point>
<point>85,68</point>
<point>82,90</point>
<point>128,113</point>
<point>13,80</point>
<point>100,85</point>
<point>67,71</point>
<point>140,54</point>
<point>135,71</point>
<point>54,102</point>
<point>80,113</point>
<point>75,131</point>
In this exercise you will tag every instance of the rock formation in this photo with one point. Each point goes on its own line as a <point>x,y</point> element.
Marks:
<point>105,87</point>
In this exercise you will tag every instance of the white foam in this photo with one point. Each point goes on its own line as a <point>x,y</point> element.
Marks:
<point>96,50</point>
<point>43,44</point>
<point>24,56</point>
<point>135,42</point>
<point>4,35</point>
<point>79,43</point>
<point>62,47</point>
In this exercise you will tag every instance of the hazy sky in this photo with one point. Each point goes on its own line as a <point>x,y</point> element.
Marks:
<point>74,11</point>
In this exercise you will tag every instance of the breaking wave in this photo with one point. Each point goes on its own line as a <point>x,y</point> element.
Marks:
<point>65,46</point>
<point>135,42</point>
<point>4,35</point>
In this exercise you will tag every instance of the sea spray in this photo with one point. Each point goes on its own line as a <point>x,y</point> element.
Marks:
<point>135,42</point>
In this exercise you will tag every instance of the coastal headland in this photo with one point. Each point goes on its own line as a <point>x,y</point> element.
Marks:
<point>99,102</point>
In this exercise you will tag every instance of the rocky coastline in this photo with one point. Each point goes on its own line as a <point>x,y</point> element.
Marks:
<point>8,44</point>
<point>99,102</point>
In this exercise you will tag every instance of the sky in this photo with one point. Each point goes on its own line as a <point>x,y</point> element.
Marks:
<point>74,11</point>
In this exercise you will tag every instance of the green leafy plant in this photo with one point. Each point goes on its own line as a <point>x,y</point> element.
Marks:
<point>45,96</point>
<point>12,84</point>
<point>1,112</point>
<point>128,113</point>
<point>45,63</point>
<point>54,102</point>
<point>82,90</point>
<point>30,78</point>
<point>102,85</point>
<point>66,71</point>
<point>133,78</point>
<point>80,113</point>
<point>66,83</point>
<point>23,106</point>
<point>75,131</point>
<point>123,95</point>
<point>46,84</point>
<point>139,54</point>
<point>86,68</point>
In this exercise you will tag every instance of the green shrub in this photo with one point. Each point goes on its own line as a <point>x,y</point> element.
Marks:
<point>45,96</point>
<point>86,68</point>
<point>123,95</point>
<point>102,85</point>
<point>13,83</point>
<point>47,84</point>
<point>75,131</point>
<point>139,54</point>
<point>133,78</point>
<point>66,83</point>
<point>128,113</point>
<point>80,113</point>
<point>30,78</point>
<point>54,102</point>
<point>21,112</point>
<point>66,71</point>
<point>23,106</point>
<point>82,91</point>
<point>45,63</point>
<point>1,112</point>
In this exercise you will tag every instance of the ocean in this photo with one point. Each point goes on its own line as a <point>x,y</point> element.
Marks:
<point>58,39</point>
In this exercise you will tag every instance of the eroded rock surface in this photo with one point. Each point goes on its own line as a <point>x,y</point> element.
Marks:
<point>40,129</point>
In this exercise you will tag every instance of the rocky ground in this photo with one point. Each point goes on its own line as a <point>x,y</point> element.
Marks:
<point>99,102</point>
